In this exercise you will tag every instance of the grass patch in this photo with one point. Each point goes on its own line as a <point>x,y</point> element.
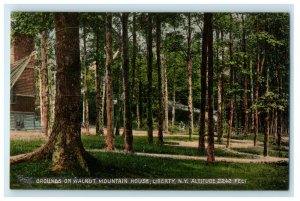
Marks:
<point>115,165</point>
<point>140,144</point>
<point>21,147</point>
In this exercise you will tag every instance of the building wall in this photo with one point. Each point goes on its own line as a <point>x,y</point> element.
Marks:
<point>23,45</point>
<point>22,107</point>
<point>24,89</point>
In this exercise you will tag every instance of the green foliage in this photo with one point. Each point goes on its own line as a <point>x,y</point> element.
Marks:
<point>31,23</point>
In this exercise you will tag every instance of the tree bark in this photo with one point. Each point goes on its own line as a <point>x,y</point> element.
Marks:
<point>246,118</point>
<point>201,142</point>
<point>133,62</point>
<point>220,95</point>
<point>97,81</point>
<point>128,127</point>
<point>149,78</point>
<point>166,96</point>
<point>231,82</point>
<point>260,64</point>
<point>139,99</point>
<point>44,85</point>
<point>210,146</point>
<point>252,97</point>
<point>220,113</point>
<point>102,103</point>
<point>117,111</point>
<point>86,99</point>
<point>174,98</point>
<point>160,94</point>
<point>109,133</point>
<point>189,75</point>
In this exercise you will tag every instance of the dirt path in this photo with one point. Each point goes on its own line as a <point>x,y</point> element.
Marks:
<point>27,135</point>
<point>260,159</point>
<point>234,143</point>
<point>34,135</point>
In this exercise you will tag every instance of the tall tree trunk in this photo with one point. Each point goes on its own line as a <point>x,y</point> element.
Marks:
<point>252,97</point>
<point>44,88</point>
<point>231,82</point>
<point>201,143</point>
<point>246,118</point>
<point>64,145</point>
<point>149,77</point>
<point>190,84</point>
<point>220,113</point>
<point>109,133</point>
<point>220,93</point>
<point>97,81</point>
<point>210,147</point>
<point>118,111</point>
<point>102,103</point>
<point>139,99</point>
<point>68,150</point>
<point>160,94</point>
<point>267,121</point>
<point>41,97</point>
<point>260,64</point>
<point>259,70</point>
<point>174,98</point>
<point>51,97</point>
<point>133,62</point>
<point>256,113</point>
<point>65,141</point>
<point>86,99</point>
<point>165,95</point>
<point>128,127</point>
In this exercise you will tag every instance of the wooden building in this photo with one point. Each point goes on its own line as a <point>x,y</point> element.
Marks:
<point>22,85</point>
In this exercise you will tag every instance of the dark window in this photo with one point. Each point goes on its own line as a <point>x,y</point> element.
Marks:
<point>19,118</point>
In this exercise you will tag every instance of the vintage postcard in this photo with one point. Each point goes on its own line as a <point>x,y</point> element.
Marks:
<point>150,100</point>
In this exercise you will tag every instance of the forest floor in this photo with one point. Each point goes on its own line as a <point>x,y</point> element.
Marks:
<point>178,157</point>
<point>176,140</point>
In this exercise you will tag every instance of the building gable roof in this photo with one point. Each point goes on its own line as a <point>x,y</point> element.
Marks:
<point>18,67</point>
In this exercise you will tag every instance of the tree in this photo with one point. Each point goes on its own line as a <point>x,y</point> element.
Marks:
<point>44,88</point>
<point>190,84</point>
<point>165,95</point>
<point>159,83</point>
<point>246,118</point>
<point>231,83</point>
<point>220,92</point>
<point>127,111</point>
<point>174,98</point>
<point>133,76</point>
<point>64,145</point>
<point>210,147</point>
<point>259,70</point>
<point>149,78</point>
<point>97,80</point>
<point>109,133</point>
<point>201,143</point>
<point>86,98</point>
